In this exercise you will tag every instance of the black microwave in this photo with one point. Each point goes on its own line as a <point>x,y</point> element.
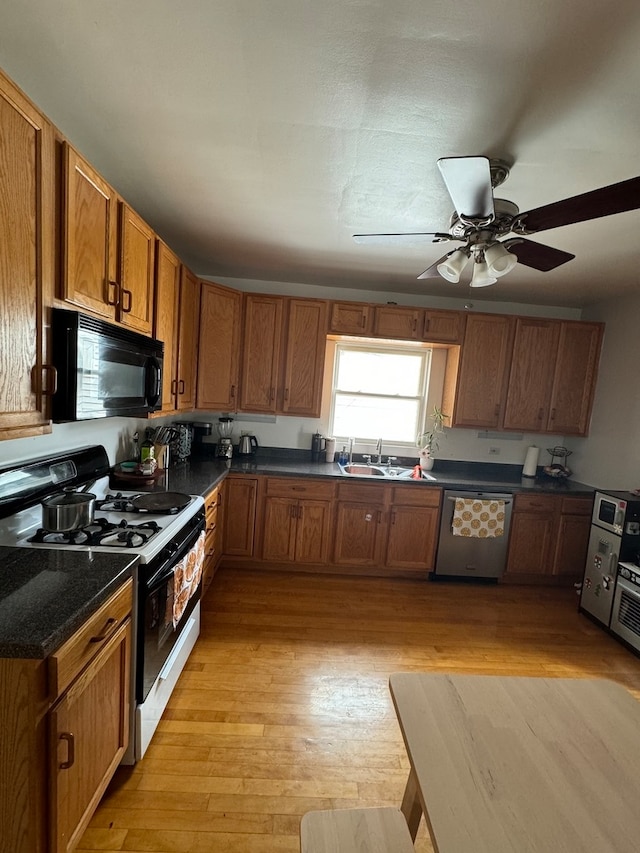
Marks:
<point>103,370</point>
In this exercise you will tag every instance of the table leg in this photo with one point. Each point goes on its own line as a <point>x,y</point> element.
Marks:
<point>411,806</point>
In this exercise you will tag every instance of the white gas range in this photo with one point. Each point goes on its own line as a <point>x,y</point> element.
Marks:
<point>165,530</point>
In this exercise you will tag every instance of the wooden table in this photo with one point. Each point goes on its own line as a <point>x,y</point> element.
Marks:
<point>517,765</point>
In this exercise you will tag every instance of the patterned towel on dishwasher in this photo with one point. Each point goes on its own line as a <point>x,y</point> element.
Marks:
<point>481,519</point>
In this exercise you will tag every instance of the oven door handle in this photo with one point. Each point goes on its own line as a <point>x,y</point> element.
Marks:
<point>175,651</point>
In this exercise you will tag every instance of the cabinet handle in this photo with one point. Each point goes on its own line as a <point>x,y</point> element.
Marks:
<point>553,414</point>
<point>426,324</point>
<point>286,393</point>
<point>379,516</point>
<point>128,293</point>
<point>49,370</point>
<point>174,387</point>
<point>181,386</point>
<point>540,414</point>
<point>292,511</point>
<point>109,627</point>
<point>363,319</point>
<point>393,517</point>
<point>116,293</point>
<point>71,750</point>
<point>272,393</point>
<point>300,508</point>
<point>497,409</point>
<point>415,323</point>
<point>233,392</point>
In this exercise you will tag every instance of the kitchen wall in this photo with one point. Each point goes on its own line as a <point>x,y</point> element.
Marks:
<point>610,456</point>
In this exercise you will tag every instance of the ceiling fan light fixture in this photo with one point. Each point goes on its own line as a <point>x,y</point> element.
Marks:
<point>452,266</point>
<point>499,260</point>
<point>481,276</point>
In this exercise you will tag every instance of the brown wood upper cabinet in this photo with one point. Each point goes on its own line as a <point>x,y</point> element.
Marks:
<point>350,318</point>
<point>219,355</point>
<point>398,322</point>
<point>443,326</point>
<point>188,323</point>
<point>109,251</point>
<point>26,263</point>
<point>282,372</point>
<point>165,327</point>
<point>552,377</point>
<point>483,371</point>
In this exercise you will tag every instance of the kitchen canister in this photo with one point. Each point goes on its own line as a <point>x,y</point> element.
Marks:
<point>329,449</point>
<point>530,466</point>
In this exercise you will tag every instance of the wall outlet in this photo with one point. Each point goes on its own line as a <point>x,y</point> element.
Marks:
<point>494,451</point>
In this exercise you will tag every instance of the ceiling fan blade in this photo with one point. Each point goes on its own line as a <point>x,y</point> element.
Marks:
<point>432,271</point>
<point>395,239</point>
<point>468,180</point>
<point>536,255</point>
<point>616,198</point>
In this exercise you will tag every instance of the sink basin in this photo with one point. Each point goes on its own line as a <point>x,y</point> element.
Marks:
<point>361,469</point>
<point>357,470</point>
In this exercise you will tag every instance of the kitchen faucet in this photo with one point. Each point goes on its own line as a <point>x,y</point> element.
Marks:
<point>351,440</point>
<point>379,450</point>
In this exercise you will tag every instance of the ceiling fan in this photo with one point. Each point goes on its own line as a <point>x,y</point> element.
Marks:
<point>480,220</point>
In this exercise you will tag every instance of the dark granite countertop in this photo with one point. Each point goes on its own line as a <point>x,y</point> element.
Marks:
<point>200,474</point>
<point>46,595</point>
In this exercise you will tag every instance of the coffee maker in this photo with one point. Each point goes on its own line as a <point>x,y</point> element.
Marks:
<point>225,443</point>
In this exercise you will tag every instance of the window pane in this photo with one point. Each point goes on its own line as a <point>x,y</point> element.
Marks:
<point>372,418</point>
<point>385,373</point>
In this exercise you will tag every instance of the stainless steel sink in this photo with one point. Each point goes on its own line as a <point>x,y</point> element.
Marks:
<point>393,472</point>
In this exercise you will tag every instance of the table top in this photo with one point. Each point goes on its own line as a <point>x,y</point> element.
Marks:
<point>508,764</point>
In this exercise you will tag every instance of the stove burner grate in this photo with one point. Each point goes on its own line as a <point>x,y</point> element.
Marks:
<point>101,532</point>
<point>127,503</point>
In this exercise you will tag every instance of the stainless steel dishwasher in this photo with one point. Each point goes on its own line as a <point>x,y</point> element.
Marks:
<point>470,557</point>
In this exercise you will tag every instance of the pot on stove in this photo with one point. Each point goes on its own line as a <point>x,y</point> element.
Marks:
<point>68,510</point>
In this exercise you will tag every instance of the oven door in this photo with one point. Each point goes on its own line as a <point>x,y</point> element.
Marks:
<point>625,620</point>
<point>167,600</point>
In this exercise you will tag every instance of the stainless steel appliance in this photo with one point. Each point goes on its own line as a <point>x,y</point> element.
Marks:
<point>164,530</point>
<point>247,445</point>
<point>467,557</point>
<point>614,536</point>
<point>103,370</point>
<point>224,447</point>
<point>625,614</point>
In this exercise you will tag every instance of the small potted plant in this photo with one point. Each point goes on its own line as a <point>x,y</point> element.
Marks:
<point>429,440</point>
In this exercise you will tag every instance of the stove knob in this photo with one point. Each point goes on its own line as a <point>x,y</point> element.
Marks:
<point>625,573</point>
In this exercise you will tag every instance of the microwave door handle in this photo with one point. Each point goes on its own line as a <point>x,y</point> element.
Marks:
<point>154,380</point>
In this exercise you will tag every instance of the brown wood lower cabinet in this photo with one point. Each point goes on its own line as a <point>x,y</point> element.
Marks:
<point>548,539</point>
<point>296,520</point>
<point>413,528</point>
<point>65,727</point>
<point>240,495</point>
<point>213,507</point>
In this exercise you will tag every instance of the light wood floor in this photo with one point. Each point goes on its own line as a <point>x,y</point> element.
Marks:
<point>284,706</point>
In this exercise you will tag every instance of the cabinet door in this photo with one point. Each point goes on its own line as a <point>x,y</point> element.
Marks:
<point>188,343</point>
<point>571,546</point>
<point>89,734</point>
<point>136,261</point>
<point>444,326</point>
<point>280,522</point>
<point>360,532</point>
<point>350,318</point>
<point>26,263</point>
<point>531,377</point>
<point>390,321</point>
<point>305,345</point>
<point>575,378</point>
<point>483,370</point>
<point>412,538</point>
<point>219,352</point>
<point>239,516</point>
<point>90,230</point>
<point>530,543</point>
<point>313,531</point>
<point>261,353</point>
<point>167,309</point>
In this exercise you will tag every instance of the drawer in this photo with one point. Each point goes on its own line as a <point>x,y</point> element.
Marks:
<point>212,501</point>
<point>417,495</point>
<point>72,657</point>
<point>576,506</point>
<point>288,487</point>
<point>535,503</point>
<point>361,492</point>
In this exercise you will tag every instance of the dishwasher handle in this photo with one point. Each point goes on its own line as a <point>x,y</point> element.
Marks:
<point>482,498</point>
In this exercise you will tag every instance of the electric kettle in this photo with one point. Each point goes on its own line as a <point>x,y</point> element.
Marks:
<point>248,445</point>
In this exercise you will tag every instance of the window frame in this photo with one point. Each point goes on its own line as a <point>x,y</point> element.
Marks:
<point>370,346</point>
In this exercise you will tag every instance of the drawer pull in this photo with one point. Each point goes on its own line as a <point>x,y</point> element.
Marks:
<point>71,750</point>
<point>109,628</point>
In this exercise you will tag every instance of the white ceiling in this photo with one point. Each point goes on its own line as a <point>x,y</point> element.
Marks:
<point>256,136</point>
